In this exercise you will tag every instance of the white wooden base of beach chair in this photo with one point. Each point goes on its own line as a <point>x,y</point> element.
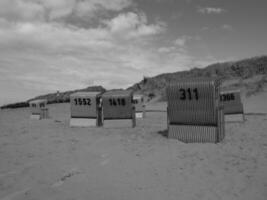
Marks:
<point>83,122</point>
<point>234,118</point>
<point>139,115</point>
<point>35,116</point>
<point>118,123</point>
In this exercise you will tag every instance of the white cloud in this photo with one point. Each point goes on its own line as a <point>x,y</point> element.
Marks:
<point>210,10</point>
<point>131,25</point>
<point>50,10</point>
<point>227,27</point>
<point>204,28</point>
<point>50,56</point>
<point>181,41</point>
<point>40,52</point>
<point>166,49</point>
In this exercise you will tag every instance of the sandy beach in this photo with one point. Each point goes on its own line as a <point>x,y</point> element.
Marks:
<point>47,159</point>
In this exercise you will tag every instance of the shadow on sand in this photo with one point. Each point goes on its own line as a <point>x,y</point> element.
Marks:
<point>163,133</point>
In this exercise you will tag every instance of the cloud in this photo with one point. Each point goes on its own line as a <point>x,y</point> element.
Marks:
<point>210,10</point>
<point>227,27</point>
<point>132,25</point>
<point>50,56</point>
<point>181,41</point>
<point>51,10</point>
<point>41,51</point>
<point>178,45</point>
<point>204,28</point>
<point>166,49</point>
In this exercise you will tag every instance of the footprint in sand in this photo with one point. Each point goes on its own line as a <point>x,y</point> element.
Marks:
<point>65,177</point>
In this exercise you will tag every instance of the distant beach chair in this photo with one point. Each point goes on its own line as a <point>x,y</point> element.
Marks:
<point>233,107</point>
<point>118,109</point>
<point>140,108</point>
<point>38,109</point>
<point>85,109</point>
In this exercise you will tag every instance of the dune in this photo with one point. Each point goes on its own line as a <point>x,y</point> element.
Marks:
<point>47,159</point>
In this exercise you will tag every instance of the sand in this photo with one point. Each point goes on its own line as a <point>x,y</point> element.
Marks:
<point>47,159</point>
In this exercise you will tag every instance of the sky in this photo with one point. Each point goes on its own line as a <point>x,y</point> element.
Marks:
<point>51,45</point>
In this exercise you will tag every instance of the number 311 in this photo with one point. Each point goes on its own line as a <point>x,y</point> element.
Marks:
<point>188,94</point>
